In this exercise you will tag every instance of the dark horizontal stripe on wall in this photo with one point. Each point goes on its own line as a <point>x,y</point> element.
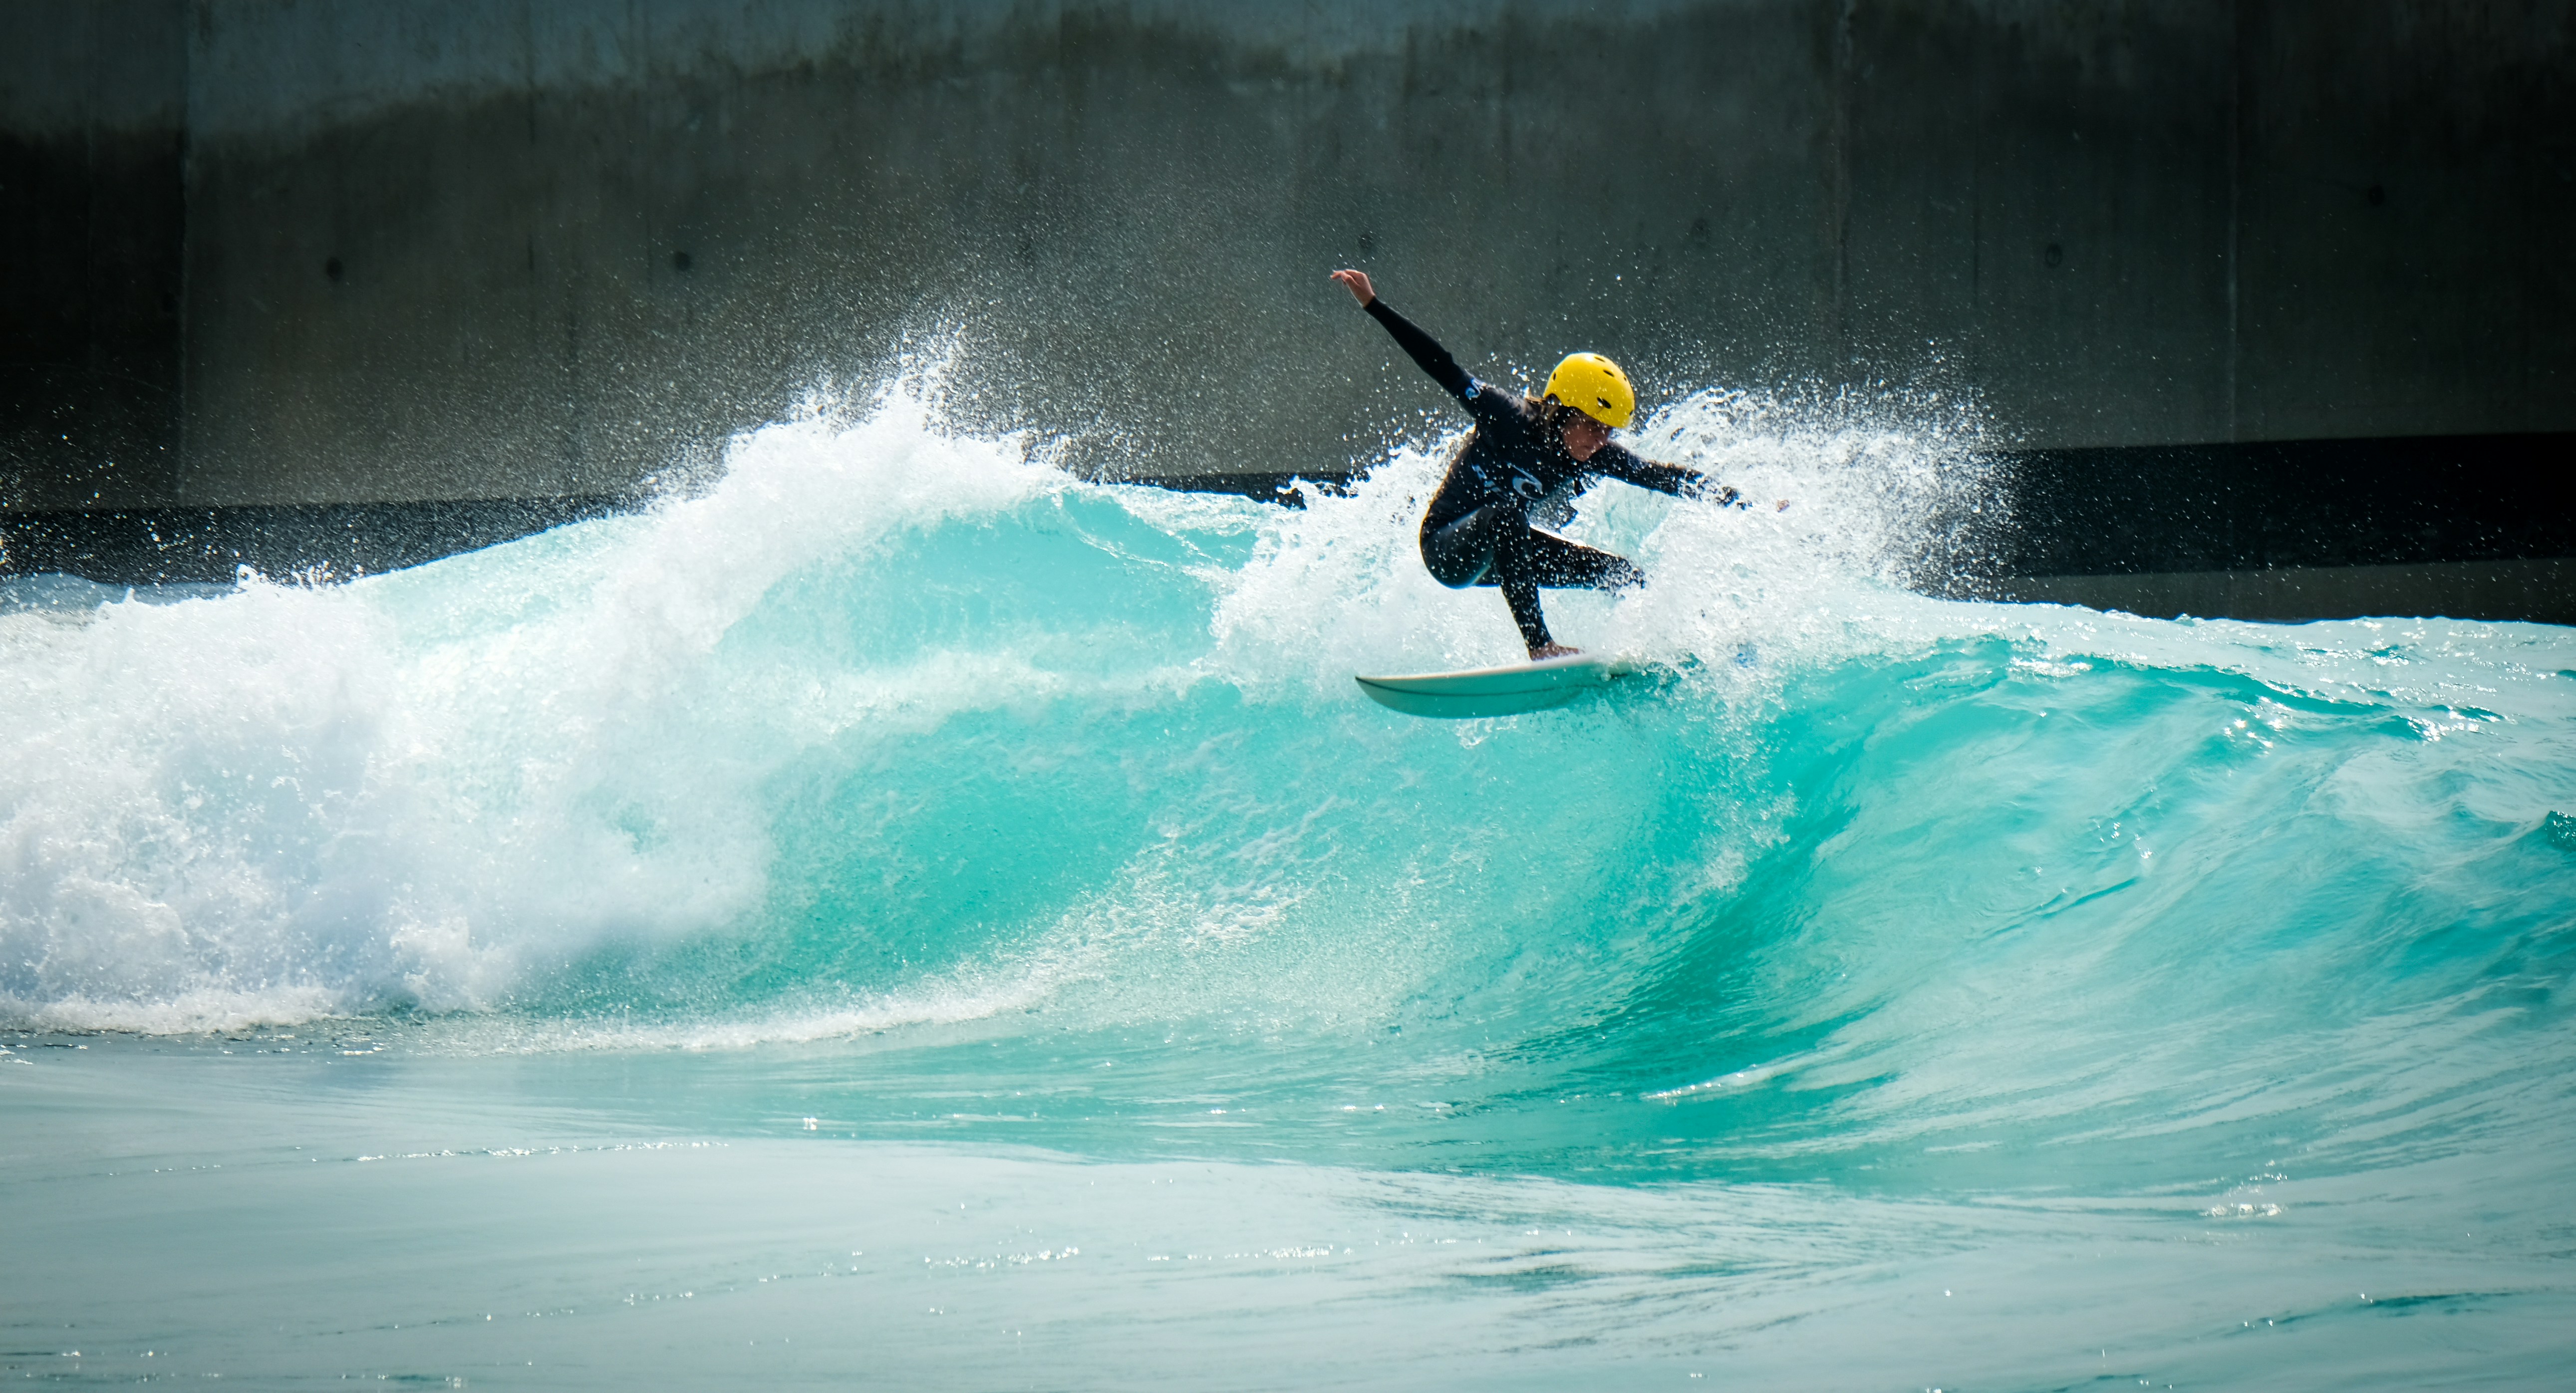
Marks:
<point>2237,507</point>
<point>2540,591</point>
<point>2306,503</point>
<point>2163,510</point>
<point>152,546</point>
<point>1286,489</point>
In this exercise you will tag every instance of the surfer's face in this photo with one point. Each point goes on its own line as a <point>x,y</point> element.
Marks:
<point>1584,436</point>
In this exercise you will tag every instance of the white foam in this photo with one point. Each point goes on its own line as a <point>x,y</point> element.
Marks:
<point>290,800</point>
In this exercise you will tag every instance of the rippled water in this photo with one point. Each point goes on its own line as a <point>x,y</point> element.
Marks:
<point>1884,991</point>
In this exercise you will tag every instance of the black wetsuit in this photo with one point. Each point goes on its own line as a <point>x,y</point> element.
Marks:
<point>1477,531</point>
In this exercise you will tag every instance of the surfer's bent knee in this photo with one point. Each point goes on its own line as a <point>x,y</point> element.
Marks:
<point>1460,552</point>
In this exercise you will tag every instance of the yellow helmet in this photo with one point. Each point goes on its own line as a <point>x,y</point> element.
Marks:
<point>1594,386</point>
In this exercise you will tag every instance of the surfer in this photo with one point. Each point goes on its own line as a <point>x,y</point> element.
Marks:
<point>1523,448</point>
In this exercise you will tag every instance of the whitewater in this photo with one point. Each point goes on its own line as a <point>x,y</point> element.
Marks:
<point>895,911</point>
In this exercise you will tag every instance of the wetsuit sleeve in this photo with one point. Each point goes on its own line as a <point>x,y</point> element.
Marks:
<point>1425,351</point>
<point>1616,462</point>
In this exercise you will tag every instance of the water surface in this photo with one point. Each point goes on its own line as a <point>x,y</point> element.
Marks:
<point>902,914</point>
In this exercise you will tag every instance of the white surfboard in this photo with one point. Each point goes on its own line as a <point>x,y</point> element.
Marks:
<point>1495,691</point>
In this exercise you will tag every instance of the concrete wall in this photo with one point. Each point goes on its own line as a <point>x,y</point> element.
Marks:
<point>490,248</point>
<point>92,235</point>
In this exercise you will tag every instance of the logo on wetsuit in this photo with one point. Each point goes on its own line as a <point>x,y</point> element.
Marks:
<point>1524,485</point>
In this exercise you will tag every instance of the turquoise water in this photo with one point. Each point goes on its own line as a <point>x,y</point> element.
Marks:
<point>900,914</point>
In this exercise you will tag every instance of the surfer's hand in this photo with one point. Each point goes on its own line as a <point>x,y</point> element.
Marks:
<point>1357,283</point>
<point>1719,494</point>
<point>1542,652</point>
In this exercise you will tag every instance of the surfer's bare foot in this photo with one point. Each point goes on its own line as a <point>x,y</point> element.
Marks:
<point>1545,651</point>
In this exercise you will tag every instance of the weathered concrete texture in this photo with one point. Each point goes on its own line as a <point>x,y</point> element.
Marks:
<point>91,232</point>
<point>2041,194</point>
<point>2407,192</point>
<point>495,248</point>
<point>1118,227</point>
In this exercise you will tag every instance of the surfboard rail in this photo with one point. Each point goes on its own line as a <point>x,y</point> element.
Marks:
<point>1508,690</point>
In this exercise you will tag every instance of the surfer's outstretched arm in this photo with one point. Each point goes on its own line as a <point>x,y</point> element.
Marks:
<point>1617,462</point>
<point>1424,349</point>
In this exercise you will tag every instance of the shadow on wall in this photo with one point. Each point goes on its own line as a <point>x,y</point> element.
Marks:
<point>314,541</point>
<point>2470,527</point>
<point>2538,592</point>
<point>2476,527</point>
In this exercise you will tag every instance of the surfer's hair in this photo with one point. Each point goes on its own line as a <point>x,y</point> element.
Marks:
<point>1465,443</point>
<point>1546,414</point>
